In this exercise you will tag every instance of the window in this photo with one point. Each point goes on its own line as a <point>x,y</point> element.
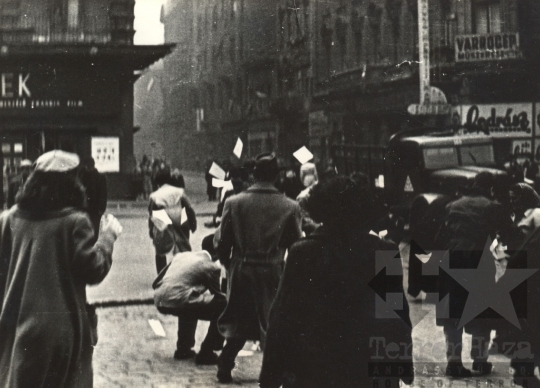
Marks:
<point>477,155</point>
<point>435,158</point>
<point>487,17</point>
<point>73,13</point>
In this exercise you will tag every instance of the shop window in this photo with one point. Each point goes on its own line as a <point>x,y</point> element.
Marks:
<point>326,37</point>
<point>341,35</point>
<point>73,13</point>
<point>487,17</point>
<point>13,153</point>
<point>357,24</point>
<point>214,17</point>
<point>232,48</point>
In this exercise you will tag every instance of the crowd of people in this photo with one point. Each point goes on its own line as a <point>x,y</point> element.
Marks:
<point>291,264</point>
<point>145,173</point>
<point>313,317</point>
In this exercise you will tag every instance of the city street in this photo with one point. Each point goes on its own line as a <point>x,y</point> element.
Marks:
<point>131,354</point>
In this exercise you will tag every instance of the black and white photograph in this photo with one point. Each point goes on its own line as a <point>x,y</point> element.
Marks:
<point>270,193</point>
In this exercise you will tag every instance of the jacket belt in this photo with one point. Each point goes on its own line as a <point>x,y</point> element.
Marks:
<point>266,258</point>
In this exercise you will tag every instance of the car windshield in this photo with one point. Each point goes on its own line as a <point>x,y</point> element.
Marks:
<point>442,157</point>
<point>481,154</point>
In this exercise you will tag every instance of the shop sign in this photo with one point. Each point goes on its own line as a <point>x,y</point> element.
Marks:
<point>106,153</point>
<point>431,109</point>
<point>423,44</point>
<point>521,148</point>
<point>496,120</point>
<point>488,47</point>
<point>50,91</point>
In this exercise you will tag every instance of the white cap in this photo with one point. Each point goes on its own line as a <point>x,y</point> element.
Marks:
<point>57,161</point>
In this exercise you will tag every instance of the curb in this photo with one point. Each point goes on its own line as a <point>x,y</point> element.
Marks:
<point>121,303</point>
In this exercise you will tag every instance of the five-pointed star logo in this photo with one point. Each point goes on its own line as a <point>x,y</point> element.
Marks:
<point>485,293</point>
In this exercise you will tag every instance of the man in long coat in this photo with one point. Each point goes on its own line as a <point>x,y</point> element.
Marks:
<point>257,227</point>
<point>469,222</point>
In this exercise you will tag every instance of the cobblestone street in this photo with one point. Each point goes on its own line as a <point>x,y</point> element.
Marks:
<point>130,354</point>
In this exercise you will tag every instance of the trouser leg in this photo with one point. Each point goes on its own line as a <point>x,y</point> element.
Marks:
<point>230,351</point>
<point>454,342</point>
<point>479,346</point>
<point>161,262</point>
<point>214,340</point>
<point>186,333</point>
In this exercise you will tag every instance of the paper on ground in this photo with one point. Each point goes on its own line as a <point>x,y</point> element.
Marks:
<point>303,155</point>
<point>238,148</point>
<point>217,171</point>
<point>157,327</point>
<point>245,353</point>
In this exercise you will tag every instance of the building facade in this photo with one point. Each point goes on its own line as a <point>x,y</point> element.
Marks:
<point>66,74</point>
<point>220,79</point>
<point>340,76</point>
<point>364,69</point>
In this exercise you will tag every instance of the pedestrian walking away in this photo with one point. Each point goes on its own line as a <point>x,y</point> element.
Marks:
<point>323,323</point>
<point>257,227</point>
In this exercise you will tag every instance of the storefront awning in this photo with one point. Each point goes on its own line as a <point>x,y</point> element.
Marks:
<point>132,56</point>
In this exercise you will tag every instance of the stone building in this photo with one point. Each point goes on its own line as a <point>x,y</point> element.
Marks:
<point>339,76</point>
<point>220,79</point>
<point>355,67</point>
<point>67,69</point>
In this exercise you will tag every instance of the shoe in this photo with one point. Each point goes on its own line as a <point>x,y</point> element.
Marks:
<point>183,355</point>
<point>206,358</point>
<point>457,370</point>
<point>224,376</point>
<point>483,367</point>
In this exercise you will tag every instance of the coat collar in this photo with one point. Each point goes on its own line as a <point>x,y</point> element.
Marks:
<point>266,187</point>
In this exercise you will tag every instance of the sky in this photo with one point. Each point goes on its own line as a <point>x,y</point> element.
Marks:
<point>149,29</point>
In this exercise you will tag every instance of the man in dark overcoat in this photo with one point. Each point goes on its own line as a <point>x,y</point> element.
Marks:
<point>257,227</point>
<point>470,221</point>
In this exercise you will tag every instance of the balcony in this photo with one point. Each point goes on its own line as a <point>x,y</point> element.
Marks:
<point>44,30</point>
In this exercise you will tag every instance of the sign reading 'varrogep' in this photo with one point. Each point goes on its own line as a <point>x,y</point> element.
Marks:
<point>488,47</point>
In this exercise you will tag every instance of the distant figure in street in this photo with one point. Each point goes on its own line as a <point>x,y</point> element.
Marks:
<point>309,178</point>
<point>146,169</point>
<point>95,186</point>
<point>211,191</point>
<point>170,239</point>
<point>291,185</point>
<point>47,331</point>
<point>257,227</point>
<point>17,182</point>
<point>178,179</point>
<point>323,326</point>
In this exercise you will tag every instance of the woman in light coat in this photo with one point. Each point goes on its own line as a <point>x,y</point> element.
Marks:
<point>47,257</point>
